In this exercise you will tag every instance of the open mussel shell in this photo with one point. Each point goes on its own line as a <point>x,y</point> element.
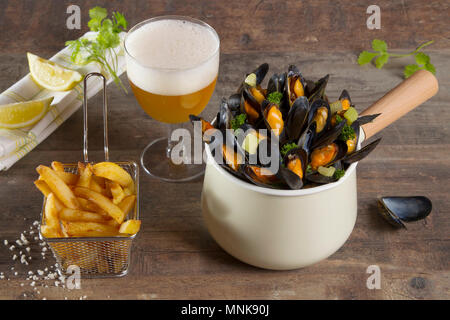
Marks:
<point>262,176</point>
<point>361,153</point>
<point>366,119</point>
<point>329,136</point>
<point>273,118</point>
<point>224,115</point>
<point>317,178</point>
<point>232,156</point>
<point>295,84</point>
<point>293,169</point>
<point>345,96</point>
<point>234,103</point>
<point>276,83</point>
<point>307,137</point>
<point>397,210</point>
<point>318,90</point>
<point>328,155</point>
<point>321,114</point>
<point>297,117</point>
<point>260,74</point>
<point>250,106</point>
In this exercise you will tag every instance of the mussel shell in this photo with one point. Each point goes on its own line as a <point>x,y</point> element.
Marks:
<point>261,72</point>
<point>361,153</point>
<point>318,91</point>
<point>329,136</point>
<point>292,179</point>
<point>316,177</point>
<point>272,181</point>
<point>248,97</point>
<point>234,103</point>
<point>366,119</point>
<point>307,137</point>
<point>297,118</point>
<point>342,152</point>
<point>224,115</point>
<point>292,75</point>
<point>312,111</point>
<point>276,83</point>
<point>345,95</point>
<point>265,105</point>
<point>397,210</point>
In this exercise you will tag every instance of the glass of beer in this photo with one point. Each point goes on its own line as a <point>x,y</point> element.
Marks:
<point>172,66</point>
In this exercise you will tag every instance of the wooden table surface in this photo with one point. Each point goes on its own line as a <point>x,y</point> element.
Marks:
<point>174,257</point>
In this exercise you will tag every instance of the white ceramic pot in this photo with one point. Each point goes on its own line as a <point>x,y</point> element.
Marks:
<point>288,229</point>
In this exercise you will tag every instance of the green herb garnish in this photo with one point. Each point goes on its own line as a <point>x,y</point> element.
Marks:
<point>86,50</point>
<point>382,56</point>
<point>238,121</point>
<point>275,97</point>
<point>339,173</point>
<point>287,147</point>
<point>309,169</point>
<point>338,119</point>
<point>348,133</point>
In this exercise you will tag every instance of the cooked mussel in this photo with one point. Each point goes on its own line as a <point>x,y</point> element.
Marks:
<point>317,90</point>
<point>205,126</point>
<point>262,176</point>
<point>296,118</point>
<point>273,117</point>
<point>295,85</point>
<point>307,137</point>
<point>327,155</point>
<point>320,178</point>
<point>224,115</point>
<point>250,106</point>
<point>320,113</point>
<point>293,168</point>
<point>361,153</point>
<point>397,210</point>
<point>276,83</point>
<point>255,78</point>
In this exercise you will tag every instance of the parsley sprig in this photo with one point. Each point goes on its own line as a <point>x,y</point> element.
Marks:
<point>238,121</point>
<point>86,50</point>
<point>288,147</point>
<point>382,57</point>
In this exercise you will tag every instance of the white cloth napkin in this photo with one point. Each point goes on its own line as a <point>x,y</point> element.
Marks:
<point>16,143</point>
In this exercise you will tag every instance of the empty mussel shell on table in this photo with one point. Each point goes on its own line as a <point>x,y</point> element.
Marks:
<point>397,210</point>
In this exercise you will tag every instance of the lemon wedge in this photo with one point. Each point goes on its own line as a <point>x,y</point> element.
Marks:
<point>23,114</point>
<point>52,76</point>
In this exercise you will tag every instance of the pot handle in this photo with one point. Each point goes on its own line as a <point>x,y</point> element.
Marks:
<point>410,93</point>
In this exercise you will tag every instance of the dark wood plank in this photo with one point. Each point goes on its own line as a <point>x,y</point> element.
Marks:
<point>174,256</point>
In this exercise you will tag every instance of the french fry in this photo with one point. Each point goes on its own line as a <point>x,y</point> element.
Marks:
<point>58,187</point>
<point>113,172</point>
<point>43,187</point>
<point>85,177</point>
<point>67,177</point>
<point>88,205</point>
<point>127,204</point>
<point>95,186</point>
<point>100,181</point>
<point>83,229</point>
<point>49,232</point>
<point>57,166</point>
<point>51,213</point>
<point>130,226</point>
<point>129,190</point>
<point>79,215</point>
<point>103,202</point>
<point>116,191</point>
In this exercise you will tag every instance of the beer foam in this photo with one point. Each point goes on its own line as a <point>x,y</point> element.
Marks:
<point>172,57</point>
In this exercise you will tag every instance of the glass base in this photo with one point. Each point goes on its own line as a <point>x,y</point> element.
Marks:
<point>156,163</point>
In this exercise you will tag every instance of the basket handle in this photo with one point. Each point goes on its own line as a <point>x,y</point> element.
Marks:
<point>85,117</point>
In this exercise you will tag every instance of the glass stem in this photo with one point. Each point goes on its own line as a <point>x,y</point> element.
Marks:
<point>170,143</point>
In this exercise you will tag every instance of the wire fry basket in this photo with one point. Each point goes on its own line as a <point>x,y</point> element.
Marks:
<point>95,256</point>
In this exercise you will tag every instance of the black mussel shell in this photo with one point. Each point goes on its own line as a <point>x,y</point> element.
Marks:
<point>261,72</point>
<point>342,152</point>
<point>397,210</point>
<point>329,136</point>
<point>254,105</point>
<point>205,126</point>
<point>316,177</point>
<point>276,83</point>
<point>234,103</point>
<point>291,178</point>
<point>224,115</point>
<point>292,75</point>
<point>271,180</point>
<point>361,153</point>
<point>312,112</point>
<point>366,119</point>
<point>297,117</point>
<point>345,96</point>
<point>318,91</point>
<point>307,137</point>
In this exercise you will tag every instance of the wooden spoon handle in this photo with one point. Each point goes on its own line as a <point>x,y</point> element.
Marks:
<point>409,94</point>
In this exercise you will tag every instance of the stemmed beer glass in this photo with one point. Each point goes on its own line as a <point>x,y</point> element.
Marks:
<point>172,66</point>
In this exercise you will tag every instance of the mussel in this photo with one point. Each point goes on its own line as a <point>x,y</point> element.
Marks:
<point>296,118</point>
<point>273,117</point>
<point>327,155</point>
<point>262,176</point>
<point>224,115</point>
<point>295,85</point>
<point>293,168</point>
<point>317,90</point>
<point>397,210</point>
<point>321,114</point>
